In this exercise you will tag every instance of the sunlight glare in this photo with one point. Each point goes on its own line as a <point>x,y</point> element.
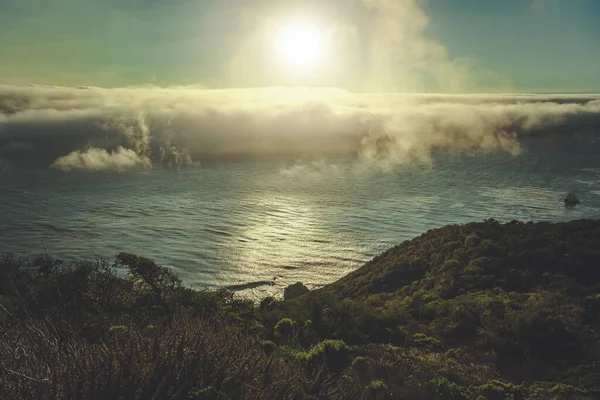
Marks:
<point>300,44</point>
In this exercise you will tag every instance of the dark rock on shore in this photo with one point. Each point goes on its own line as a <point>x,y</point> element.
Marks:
<point>295,290</point>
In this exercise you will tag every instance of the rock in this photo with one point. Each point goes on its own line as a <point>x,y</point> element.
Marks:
<point>295,290</point>
<point>571,200</point>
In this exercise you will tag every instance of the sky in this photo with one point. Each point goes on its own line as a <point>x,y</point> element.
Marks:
<point>455,46</point>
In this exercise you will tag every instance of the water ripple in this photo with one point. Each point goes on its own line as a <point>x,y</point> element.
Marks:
<point>241,225</point>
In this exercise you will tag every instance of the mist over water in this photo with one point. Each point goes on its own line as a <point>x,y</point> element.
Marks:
<point>258,226</point>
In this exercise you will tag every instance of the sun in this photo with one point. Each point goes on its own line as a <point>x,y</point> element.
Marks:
<point>300,44</point>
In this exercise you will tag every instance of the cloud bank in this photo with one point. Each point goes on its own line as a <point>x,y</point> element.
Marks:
<point>132,128</point>
<point>94,159</point>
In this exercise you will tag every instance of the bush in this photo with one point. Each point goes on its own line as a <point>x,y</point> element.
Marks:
<point>377,390</point>
<point>447,390</point>
<point>284,327</point>
<point>359,363</point>
<point>421,339</point>
<point>335,353</point>
<point>497,390</point>
<point>268,346</point>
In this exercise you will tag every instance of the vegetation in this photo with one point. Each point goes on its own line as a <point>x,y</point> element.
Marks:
<point>477,311</point>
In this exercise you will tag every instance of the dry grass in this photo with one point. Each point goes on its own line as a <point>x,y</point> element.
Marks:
<point>193,359</point>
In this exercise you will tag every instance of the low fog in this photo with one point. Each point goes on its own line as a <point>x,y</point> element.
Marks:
<point>95,129</point>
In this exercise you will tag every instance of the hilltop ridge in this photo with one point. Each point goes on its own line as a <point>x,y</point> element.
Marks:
<point>519,300</point>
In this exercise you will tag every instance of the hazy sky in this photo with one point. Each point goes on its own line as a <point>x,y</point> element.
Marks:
<point>428,45</point>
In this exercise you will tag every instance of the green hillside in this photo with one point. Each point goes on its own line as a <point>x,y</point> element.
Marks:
<point>477,311</point>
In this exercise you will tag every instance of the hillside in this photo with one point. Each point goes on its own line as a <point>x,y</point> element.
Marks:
<point>477,311</point>
<point>520,300</point>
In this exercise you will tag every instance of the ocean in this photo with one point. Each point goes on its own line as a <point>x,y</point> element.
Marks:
<point>258,225</point>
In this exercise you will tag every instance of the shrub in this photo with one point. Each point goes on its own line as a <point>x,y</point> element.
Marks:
<point>553,391</point>
<point>117,329</point>
<point>267,304</point>
<point>497,390</point>
<point>421,339</point>
<point>447,390</point>
<point>335,353</point>
<point>157,282</point>
<point>284,327</point>
<point>268,346</point>
<point>377,390</point>
<point>359,363</point>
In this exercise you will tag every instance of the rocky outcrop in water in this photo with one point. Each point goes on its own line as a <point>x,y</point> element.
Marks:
<point>571,200</point>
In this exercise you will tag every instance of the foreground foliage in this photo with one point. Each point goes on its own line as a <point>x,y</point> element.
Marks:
<point>479,311</point>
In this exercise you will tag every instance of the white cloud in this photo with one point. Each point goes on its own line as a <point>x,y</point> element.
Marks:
<point>99,128</point>
<point>94,159</point>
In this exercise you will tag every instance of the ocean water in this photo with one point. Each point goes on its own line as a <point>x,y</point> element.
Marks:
<point>256,226</point>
